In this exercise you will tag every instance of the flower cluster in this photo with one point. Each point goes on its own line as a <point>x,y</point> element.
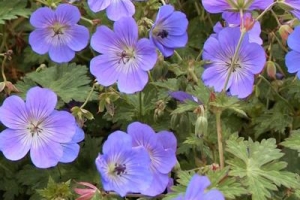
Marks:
<point>51,136</point>
<point>141,158</point>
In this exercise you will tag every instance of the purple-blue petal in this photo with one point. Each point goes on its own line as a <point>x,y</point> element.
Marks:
<point>117,141</point>
<point>105,69</point>
<point>44,152</point>
<point>15,144</point>
<point>59,127</point>
<point>196,187</point>
<point>292,60</point>
<point>213,195</point>
<point>293,39</point>
<point>13,113</point>
<point>126,30</point>
<point>79,37</point>
<point>42,17</point>
<point>132,79</point>
<point>40,102</point>
<point>70,152</point>
<point>105,40</point>
<point>98,5</point>
<point>158,184</point>
<point>61,53</point>
<point>215,6</point>
<point>118,9</point>
<point>168,140</point>
<point>38,39</point>
<point>146,55</point>
<point>242,84</point>
<point>67,14</point>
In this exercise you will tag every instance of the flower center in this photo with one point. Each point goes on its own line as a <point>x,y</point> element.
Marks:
<point>58,29</point>
<point>34,128</point>
<point>119,169</point>
<point>126,55</point>
<point>235,66</point>
<point>163,34</point>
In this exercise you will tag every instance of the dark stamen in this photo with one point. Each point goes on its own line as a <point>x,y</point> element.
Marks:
<point>163,34</point>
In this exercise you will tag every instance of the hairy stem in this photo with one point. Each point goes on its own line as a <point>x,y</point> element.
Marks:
<point>2,69</point>
<point>89,96</point>
<point>220,139</point>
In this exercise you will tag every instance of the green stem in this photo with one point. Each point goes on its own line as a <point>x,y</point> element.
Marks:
<point>265,11</point>
<point>89,96</point>
<point>277,94</point>
<point>2,69</point>
<point>87,20</point>
<point>220,139</point>
<point>234,58</point>
<point>178,56</point>
<point>140,104</point>
<point>163,2</point>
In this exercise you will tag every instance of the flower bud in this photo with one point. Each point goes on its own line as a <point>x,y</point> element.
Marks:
<point>284,31</point>
<point>201,126</point>
<point>249,23</point>
<point>271,69</point>
<point>86,193</point>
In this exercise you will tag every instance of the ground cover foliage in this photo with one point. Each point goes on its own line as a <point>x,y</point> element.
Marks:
<point>235,124</point>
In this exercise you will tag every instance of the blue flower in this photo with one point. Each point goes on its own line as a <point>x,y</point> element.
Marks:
<point>292,58</point>
<point>123,168</point>
<point>115,9</point>
<point>220,51</point>
<point>51,136</point>
<point>162,151</point>
<point>196,190</point>
<point>124,59</point>
<point>169,30</point>
<point>58,33</point>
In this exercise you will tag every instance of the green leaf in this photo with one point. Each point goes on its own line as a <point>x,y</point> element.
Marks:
<point>68,81</point>
<point>12,9</point>
<point>258,166</point>
<point>293,142</point>
<point>229,186</point>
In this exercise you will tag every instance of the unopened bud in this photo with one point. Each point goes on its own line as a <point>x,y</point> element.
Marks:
<point>271,69</point>
<point>9,87</point>
<point>201,126</point>
<point>284,31</point>
<point>249,23</point>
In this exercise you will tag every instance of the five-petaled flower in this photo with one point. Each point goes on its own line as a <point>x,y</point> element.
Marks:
<point>196,190</point>
<point>51,136</point>
<point>123,169</point>
<point>226,68</point>
<point>58,33</point>
<point>125,59</point>
<point>169,30</point>
<point>161,147</point>
<point>115,9</point>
